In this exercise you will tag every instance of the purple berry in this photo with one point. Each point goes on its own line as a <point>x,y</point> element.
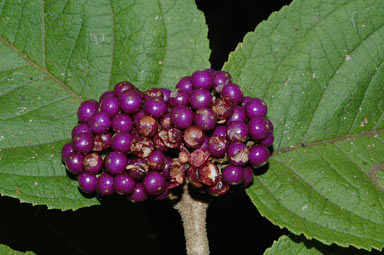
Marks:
<point>237,131</point>
<point>155,107</point>
<point>268,141</point>
<point>164,194</point>
<point>100,123</point>
<point>74,163</point>
<point>122,122</point>
<point>66,150</point>
<point>217,146</point>
<point>238,114</point>
<point>156,160</point>
<point>83,143</point>
<point>130,101</point>
<point>233,92</point>
<point>166,94</point>
<point>106,94</point>
<point>200,98</point>
<point>193,137</point>
<point>233,174</point>
<point>179,97</point>
<point>87,109</point>
<point>185,83</point>
<point>211,71</point>
<point>123,184</point>
<point>104,185</point>
<point>204,145</point>
<point>121,87</point>
<point>238,154</point>
<point>181,117</point>
<point>258,128</point>
<point>246,99</point>
<point>92,163</point>
<point>248,176</point>
<point>258,155</point>
<point>138,115</point>
<point>271,127</point>
<point>220,131</point>
<point>256,107</point>
<point>202,80</point>
<point>115,162</point>
<point>122,142</point>
<point>220,79</point>
<point>81,128</point>
<point>110,106</point>
<point>87,182</point>
<point>138,194</point>
<point>205,119</point>
<point>154,183</point>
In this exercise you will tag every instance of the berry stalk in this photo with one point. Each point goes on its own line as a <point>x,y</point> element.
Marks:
<point>193,214</point>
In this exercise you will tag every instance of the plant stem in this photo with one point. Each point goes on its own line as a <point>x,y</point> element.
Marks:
<point>193,214</point>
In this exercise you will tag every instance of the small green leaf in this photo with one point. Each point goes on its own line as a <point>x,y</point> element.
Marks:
<point>57,53</point>
<point>295,245</point>
<point>5,250</point>
<point>318,64</point>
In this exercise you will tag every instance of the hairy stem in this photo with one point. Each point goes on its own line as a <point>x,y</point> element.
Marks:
<point>193,214</point>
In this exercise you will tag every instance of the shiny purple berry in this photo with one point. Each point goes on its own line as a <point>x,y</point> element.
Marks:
<point>100,123</point>
<point>233,174</point>
<point>164,194</point>
<point>238,114</point>
<point>258,128</point>
<point>237,131</point>
<point>255,108</point>
<point>87,109</point>
<point>246,99</point>
<point>233,92</point>
<point>258,155</point>
<point>220,131</point>
<point>66,150</point>
<point>202,80</point>
<point>81,128</point>
<point>122,142</point>
<point>74,163</point>
<point>87,182</point>
<point>166,94</point>
<point>205,119</point>
<point>123,184</point>
<point>92,163</point>
<point>200,98</point>
<point>155,107</point>
<point>110,106</point>
<point>156,160</point>
<point>115,162</point>
<point>238,154</point>
<point>154,183</point>
<point>270,125</point>
<point>138,115</point>
<point>130,101</point>
<point>122,122</point>
<point>106,94</point>
<point>138,194</point>
<point>182,117</point>
<point>268,141</point>
<point>220,79</point>
<point>121,87</point>
<point>185,83</point>
<point>104,185</point>
<point>179,97</point>
<point>83,143</point>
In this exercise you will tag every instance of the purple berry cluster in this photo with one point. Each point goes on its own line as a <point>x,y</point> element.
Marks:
<point>143,144</point>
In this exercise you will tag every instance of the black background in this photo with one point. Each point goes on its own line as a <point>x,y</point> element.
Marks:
<point>118,227</point>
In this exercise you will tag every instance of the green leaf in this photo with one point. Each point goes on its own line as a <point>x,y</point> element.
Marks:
<point>5,250</point>
<point>57,53</point>
<point>318,65</point>
<point>295,245</point>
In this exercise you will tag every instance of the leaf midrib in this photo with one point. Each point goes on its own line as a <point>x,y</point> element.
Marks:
<point>41,69</point>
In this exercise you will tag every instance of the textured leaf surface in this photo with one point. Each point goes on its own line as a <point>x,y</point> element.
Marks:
<point>56,53</point>
<point>294,245</point>
<point>5,250</point>
<point>318,64</point>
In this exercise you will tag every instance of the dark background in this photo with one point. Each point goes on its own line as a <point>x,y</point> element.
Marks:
<point>119,227</point>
